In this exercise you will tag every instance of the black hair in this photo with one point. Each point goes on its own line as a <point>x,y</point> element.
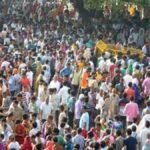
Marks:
<point>129,131</point>
<point>130,84</point>
<point>25,117</point>
<point>56,131</point>
<point>55,139</point>
<point>147,124</point>
<point>118,133</point>
<point>79,130</point>
<point>34,125</point>
<point>134,128</point>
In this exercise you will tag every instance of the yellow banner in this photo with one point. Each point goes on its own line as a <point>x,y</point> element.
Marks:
<point>102,46</point>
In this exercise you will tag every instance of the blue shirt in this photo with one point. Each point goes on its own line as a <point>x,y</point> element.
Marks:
<point>65,72</point>
<point>12,83</point>
<point>130,143</point>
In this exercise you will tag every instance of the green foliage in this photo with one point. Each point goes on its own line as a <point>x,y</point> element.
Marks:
<point>117,4</point>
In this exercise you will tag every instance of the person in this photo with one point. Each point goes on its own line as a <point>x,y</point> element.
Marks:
<point>49,143</point>
<point>13,144</point>
<point>56,145</point>
<point>114,104</point>
<point>146,110</point>
<point>127,79</point>
<point>78,109</point>
<point>2,145</point>
<point>146,85</point>
<point>11,83</point>
<point>62,115</point>
<point>129,91</point>
<point>146,146</point>
<point>46,109</point>
<point>68,144</point>
<point>26,144</point>
<point>76,79</point>
<point>20,132</point>
<point>143,133</point>
<point>78,139</point>
<point>84,79</point>
<point>25,82</point>
<point>119,140</point>
<point>130,142</point>
<point>71,108</point>
<point>34,130</point>
<point>16,110</point>
<point>60,139</point>
<point>84,120</point>
<point>131,111</point>
<point>66,71</point>
<point>48,51</point>
<point>63,94</point>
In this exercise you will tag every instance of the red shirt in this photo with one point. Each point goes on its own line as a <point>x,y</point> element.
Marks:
<point>20,133</point>
<point>25,82</point>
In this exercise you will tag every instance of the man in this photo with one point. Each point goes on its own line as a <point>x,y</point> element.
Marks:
<point>71,107</point>
<point>144,132</point>
<point>146,85</point>
<point>16,110</point>
<point>25,83</point>
<point>85,119</point>
<point>120,86</point>
<point>127,79</point>
<point>131,111</point>
<point>130,91</point>
<point>146,110</point>
<point>63,93</point>
<point>119,140</point>
<point>78,109</point>
<point>66,71</point>
<point>11,83</point>
<point>146,49</point>
<point>130,142</point>
<point>46,109</point>
<point>79,139</point>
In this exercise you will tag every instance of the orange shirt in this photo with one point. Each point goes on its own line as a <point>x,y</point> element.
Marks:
<point>25,82</point>
<point>130,93</point>
<point>84,80</point>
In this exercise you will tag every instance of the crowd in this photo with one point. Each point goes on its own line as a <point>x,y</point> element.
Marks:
<point>57,93</point>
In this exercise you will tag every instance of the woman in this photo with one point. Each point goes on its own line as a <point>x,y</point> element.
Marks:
<point>20,132</point>
<point>26,144</point>
<point>48,126</point>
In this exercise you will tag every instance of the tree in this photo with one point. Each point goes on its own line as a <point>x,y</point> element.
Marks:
<point>98,4</point>
<point>115,5</point>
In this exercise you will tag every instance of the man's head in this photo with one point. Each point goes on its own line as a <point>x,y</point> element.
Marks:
<point>15,103</point>
<point>147,124</point>
<point>130,84</point>
<point>129,132</point>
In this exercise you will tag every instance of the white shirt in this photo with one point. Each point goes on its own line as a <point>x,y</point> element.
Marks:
<point>144,49</point>
<point>127,78</point>
<point>14,145</point>
<point>5,64</point>
<point>63,94</point>
<point>29,75</point>
<point>54,84</point>
<point>100,103</point>
<point>46,109</point>
<point>143,135</point>
<point>33,131</point>
<point>85,119</point>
